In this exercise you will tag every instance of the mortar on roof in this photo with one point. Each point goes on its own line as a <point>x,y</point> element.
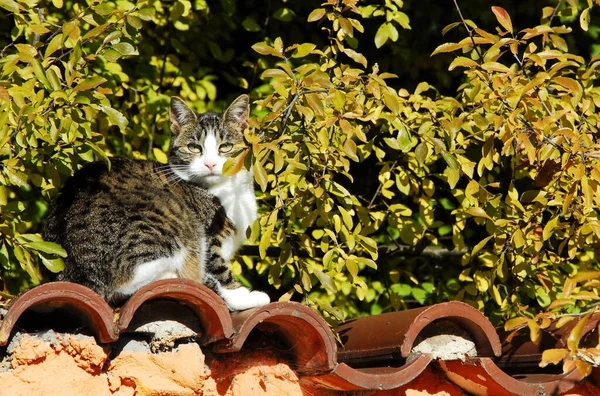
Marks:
<point>444,340</point>
<point>163,324</point>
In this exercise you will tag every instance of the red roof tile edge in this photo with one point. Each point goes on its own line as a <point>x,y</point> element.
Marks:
<point>346,378</point>
<point>381,337</point>
<point>477,373</point>
<point>311,342</point>
<point>79,297</point>
<point>208,306</point>
<point>305,332</point>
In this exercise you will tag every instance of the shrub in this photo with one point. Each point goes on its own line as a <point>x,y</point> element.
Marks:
<point>373,196</point>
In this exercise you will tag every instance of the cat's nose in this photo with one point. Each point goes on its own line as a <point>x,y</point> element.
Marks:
<point>210,166</point>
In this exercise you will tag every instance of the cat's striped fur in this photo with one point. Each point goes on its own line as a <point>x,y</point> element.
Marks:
<point>140,221</point>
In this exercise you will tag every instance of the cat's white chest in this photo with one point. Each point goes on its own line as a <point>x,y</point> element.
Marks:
<point>236,195</point>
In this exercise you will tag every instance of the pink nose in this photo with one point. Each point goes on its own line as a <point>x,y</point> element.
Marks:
<point>210,166</point>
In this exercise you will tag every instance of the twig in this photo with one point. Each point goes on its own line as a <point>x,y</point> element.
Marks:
<point>555,12</point>
<point>288,109</point>
<point>468,29</point>
<point>379,187</point>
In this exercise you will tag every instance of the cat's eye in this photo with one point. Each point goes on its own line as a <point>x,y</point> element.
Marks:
<point>194,148</point>
<point>225,147</point>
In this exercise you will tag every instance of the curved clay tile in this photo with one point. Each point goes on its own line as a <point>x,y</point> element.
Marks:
<point>392,335</point>
<point>483,377</point>
<point>97,313</point>
<point>346,378</point>
<point>210,308</point>
<point>305,332</point>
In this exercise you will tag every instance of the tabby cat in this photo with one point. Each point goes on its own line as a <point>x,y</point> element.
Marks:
<point>139,221</point>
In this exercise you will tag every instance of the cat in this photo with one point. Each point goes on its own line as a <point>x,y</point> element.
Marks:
<point>136,222</point>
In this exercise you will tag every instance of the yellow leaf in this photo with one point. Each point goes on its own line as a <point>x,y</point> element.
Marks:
<point>584,19</point>
<point>391,101</point>
<point>265,49</point>
<point>448,47</point>
<point>561,302</point>
<point>235,164</point>
<point>513,323</point>
<point>478,212</point>
<point>529,149</point>
<point>563,321</point>
<point>549,228</point>
<point>553,356</point>
<point>503,18</point>
<point>495,66</point>
<point>461,61</point>
<point>584,368</point>
<point>570,84</point>
<point>159,155</point>
<point>316,15</point>
<point>315,103</point>
<point>534,331</point>
<point>260,175</point>
<point>577,332</point>
<point>357,57</point>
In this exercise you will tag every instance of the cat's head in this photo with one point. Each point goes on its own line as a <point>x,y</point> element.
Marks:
<point>201,143</point>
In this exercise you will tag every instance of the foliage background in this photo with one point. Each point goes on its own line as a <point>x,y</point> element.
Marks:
<point>387,177</point>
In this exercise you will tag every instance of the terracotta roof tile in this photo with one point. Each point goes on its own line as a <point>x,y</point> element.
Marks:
<point>386,336</point>
<point>308,336</point>
<point>210,308</point>
<point>97,313</point>
<point>346,378</point>
<point>376,353</point>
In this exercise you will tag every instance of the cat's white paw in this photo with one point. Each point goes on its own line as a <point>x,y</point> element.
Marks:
<point>242,298</point>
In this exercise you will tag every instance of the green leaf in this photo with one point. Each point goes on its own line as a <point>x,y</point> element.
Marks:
<point>114,116</point>
<point>47,247</point>
<point>325,280</point>
<point>3,195</point>
<point>53,45</point>
<point>451,160</point>
<point>101,153</point>
<point>40,74</point>
<point>53,79</point>
<point>421,152</point>
<point>89,83</point>
<point>125,49</point>
<point>98,30</point>
<point>54,265</point>
<point>135,22</point>
<point>284,14</point>
<point>352,267</point>
<point>404,141</point>
<point>249,23</point>
<point>381,36</point>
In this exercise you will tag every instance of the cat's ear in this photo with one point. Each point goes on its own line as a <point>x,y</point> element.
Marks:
<point>237,113</point>
<point>180,114</point>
